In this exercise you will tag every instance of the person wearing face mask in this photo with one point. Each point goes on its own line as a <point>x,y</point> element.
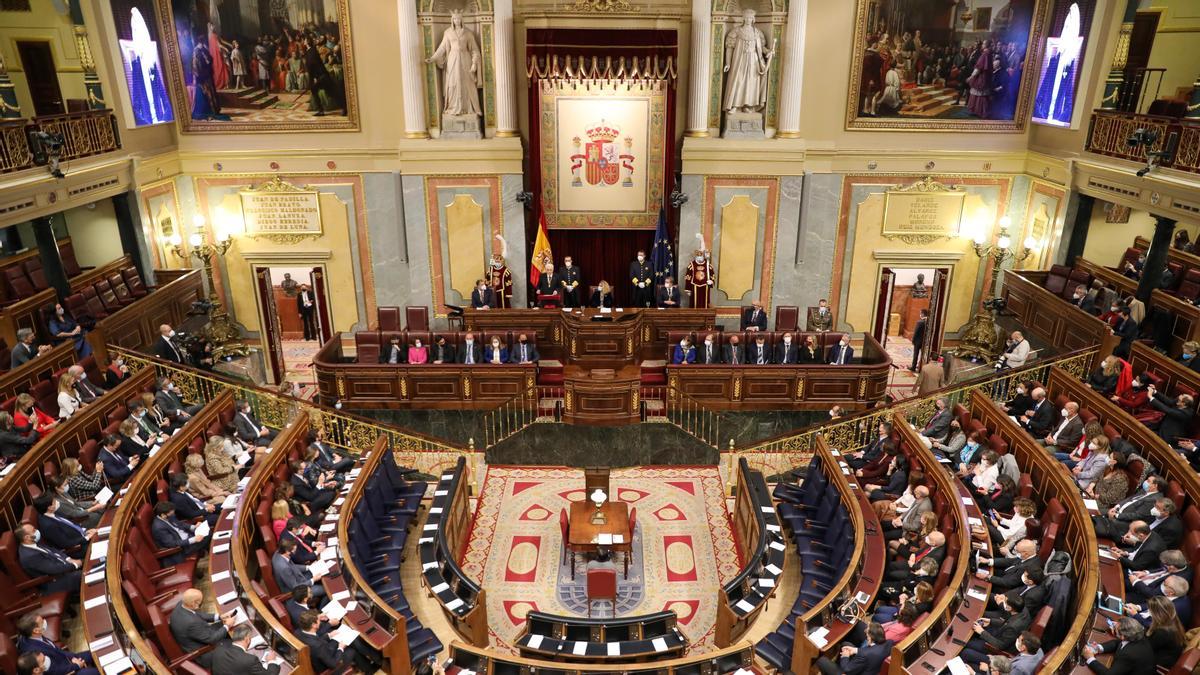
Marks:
<point>63,326</point>
<point>85,512</point>
<point>699,278</point>
<point>842,353</point>
<point>1066,436</point>
<point>28,418</point>
<point>733,352</point>
<point>1079,296</point>
<point>499,277</point>
<point>547,287</point>
<point>496,352</point>
<point>165,347</point>
<point>1104,378</point>
<point>1039,419</point>
<point>1139,547</point>
<point>1021,401</point>
<point>897,475</point>
<point>39,559</point>
<point>970,454</point>
<point>760,353</point>
<point>188,506</point>
<point>939,425</point>
<point>820,319</point>
<point>471,353</point>
<point>1133,398</point>
<point>1089,469</point>
<point>418,352</point>
<point>641,275</point>
<point>483,297</point>
<point>932,547</point>
<point>1016,351</point>
<point>684,352</point>
<point>881,445</point>
<point>31,629</point>
<point>1142,585</point>
<point>602,296</point>
<point>1131,650</point>
<point>393,352</point>
<point>668,295</point>
<point>786,352</point>
<point>57,530</point>
<point>1030,591</point>
<point>170,401</point>
<point>953,443</point>
<point>524,351</point>
<point>249,429</point>
<point>1006,572</point>
<point>709,352</point>
<point>754,318</point>
<point>807,353</point>
<point>116,373</point>
<point>144,426</point>
<point>1173,596</point>
<point>1177,414</point>
<point>931,377</point>
<point>1112,316</point>
<point>1165,523</point>
<point>569,279</point>
<point>442,351</point>
<point>1188,356</point>
<point>84,389</point>
<point>999,634</point>
<point>1127,330</point>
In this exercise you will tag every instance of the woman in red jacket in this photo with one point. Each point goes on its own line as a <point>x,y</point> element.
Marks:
<point>27,417</point>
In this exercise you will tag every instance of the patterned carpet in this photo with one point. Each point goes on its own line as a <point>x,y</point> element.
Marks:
<point>682,549</point>
<point>297,363</point>
<point>901,381</point>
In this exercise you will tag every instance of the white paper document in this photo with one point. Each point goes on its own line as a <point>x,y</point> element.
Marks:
<point>344,635</point>
<point>454,604</point>
<point>431,526</point>
<point>439,493</point>
<point>103,531</point>
<point>618,539</point>
<point>440,587</point>
<point>604,539</point>
<point>614,649</point>
<point>334,610</point>
<point>221,576</point>
<point>535,641</point>
<point>327,527</point>
<point>202,529</point>
<point>111,657</point>
<point>103,496</point>
<point>221,548</point>
<point>1091,504</point>
<point>227,598</point>
<point>660,644</point>
<point>579,649</point>
<point>777,546</point>
<point>97,645</point>
<point>330,553</point>
<point>818,637</point>
<point>773,570</point>
<point>95,602</point>
<point>745,606</point>
<point>977,595</point>
<point>341,595</point>
<point>436,509</point>
<point>94,578</point>
<point>957,667</point>
<point>766,583</point>
<point>319,568</point>
<point>98,550</point>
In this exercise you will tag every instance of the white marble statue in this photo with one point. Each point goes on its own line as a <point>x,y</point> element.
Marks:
<point>459,55</point>
<point>746,62</point>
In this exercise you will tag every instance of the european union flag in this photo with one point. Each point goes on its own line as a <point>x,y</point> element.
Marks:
<point>662,256</point>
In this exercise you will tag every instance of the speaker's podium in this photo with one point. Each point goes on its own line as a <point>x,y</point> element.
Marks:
<point>601,396</point>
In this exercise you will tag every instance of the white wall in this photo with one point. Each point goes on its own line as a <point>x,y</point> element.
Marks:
<point>94,233</point>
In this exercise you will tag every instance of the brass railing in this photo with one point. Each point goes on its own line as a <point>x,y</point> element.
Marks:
<point>1109,132</point>
<point>777,455</point>
<point>14,146</point>
<point>348,431</point>
<point>691,416</point>
<point>530,406</point>
<point>85,133</point>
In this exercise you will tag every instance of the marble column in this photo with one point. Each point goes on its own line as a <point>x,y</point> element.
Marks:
<point>1079,228</point>
<point>791,79</point>
<point>502,45</point>
<point>411,65</point>
<point>52,267</point>
<point>1156,257</point>
<point>701,64</point>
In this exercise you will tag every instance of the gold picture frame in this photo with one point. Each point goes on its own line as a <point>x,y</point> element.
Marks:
<point>923,212</point>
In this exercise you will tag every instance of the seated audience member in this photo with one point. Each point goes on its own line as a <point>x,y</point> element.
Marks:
<point>169,532</point>
<point>57,530</point>
<point>668,295</point>
<point>483,297</point>
<point>85,391</point>
<point>684,351</point>
<point>325,652</point>
<point>170,401</point>
<point>926,573</point>
<point>248,427</point>
<point>157,417</point>
<point>909,517</point>
<point>28,417</point>
<point>1165,523</point>
<point>1177,413</point>
<point>1005,573</point>
<point>1006,531</point>
<point>289,574</point>
<point>1038,420</point>
<point>193,629</point>
<point>24,351</point>
<point>38,559</point>
<point>999,633</point>
<point>1000,497</point>
<point>165,347</point>
<point>418,352</point>
<point>708,353</point>
<point>1088,471</point>
<point>1029,654</point>
<point>889,507</point>
<point>1016,351</point>
<point>83,485</point>
<point>1127,330</point>
<point>880,446</point>
<point>983,478</point>
<point>1083,449</point>
<point>1164,630</point>
<point>903,624</point>
<point>68,400</point>
<point>1173,598</point>
<point>116,373</point>
<point>1141,585</point>
<point>954,441</point>
<point>1139,547</point>
<point>442,352</point>
<point>912,539</point>
<point>1132,652</point>
<point>808,352</point>
<point>1094,300</point>
<point>841,353</point>
<point>921,600</point>
<point>760,354</point>
<point>299,509</point>
<point>897,475</point>
<point>602,296</point>
<point>1066,434</point>
<point>220,467</point>
<point>316,490</point>
<point>280,514</point>
<point>13,443</point>
<point>132,444</point>
<point>970,454</point>
<point>1133,269</point>
<point>307,549</point>
<point>496,352</point>
<point>188,506</point>
<point>754,319</point>
<point>1030,590</point>
<point>84,512</point>
<point>1021,401</point>
<point>938,426</point>
<point>1104,378</point>
<point>63,326</point>
<point>933,547</point>
<point>1079,296</point>
<point>31,639</point>
<point>328,457</point>
<point>117,466</point>
<point>786,352</point>
<point>233,655</point>
<point>1188,356</point>
<point>198,483</point>
<point>1112,317</point>
<point>864,659</point>
<point>471,352</point>
<point>1138,506</point>
<point>878,468</point>
<point>523,351</point>
<point>733,352</point>
<point>394,351</point>
<point>1113,484</point>
<point>144,425</point>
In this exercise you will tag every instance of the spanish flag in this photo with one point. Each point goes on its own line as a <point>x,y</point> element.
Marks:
<point>541,250</point>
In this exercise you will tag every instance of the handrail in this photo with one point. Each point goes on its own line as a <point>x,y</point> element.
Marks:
<point>743,649</point>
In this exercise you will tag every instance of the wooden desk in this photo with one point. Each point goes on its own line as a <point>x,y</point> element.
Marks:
<point>582,535</point>
<point>609,400</point>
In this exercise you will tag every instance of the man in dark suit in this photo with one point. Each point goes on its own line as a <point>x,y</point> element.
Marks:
<point>442,351</point>
<point>187,506</point>
<point>483,297</point>
<point>999,633</point>
<point>1038,419</point>
<point>865,659</point>
<point>524,351</point>
<point>1177,414</point>
<point>668,295</point>
<point>392,352</point>
<point>547,283</point>
<point>1165,522</point>
<point>311,488</point>
<point>306,306</point>
<point>733,352</point>
<point>880,446</point>
<point>169,532</point>
<point>1006,573</point>
<point>1068,432</point>
<point>1131,652</point>
<point>641,275</point>
<point>289,575</point>
<point>193,630</point>
<point>248,427</point>
<point>842,353</point>
<point>42,560</point>
<point>570,278</point>
<point>939,425</point>
<point>754,318</point>
<point>708,352</point>
<point>86,391</point>
<point>165,348</point>
<point>24,351</point>
<point>56,530</point>
<point>1139,548</point>
<point>302,553</point>
<point>1030,591</point>
<point>1115,523</point>
<point>760,354</point>
<point>117,467</point>
<point>471,352</point>
<point>167,398</point>
<point>32,638</point>
<point>1175,590</point>
<point>933,547</point>
<point>1143,585</point>
<point>324,651</point>
<point>1127,330</point>
<point>787,352</point>
<point>328,457</point>
<point>918,339</point>
<point>233,656</point>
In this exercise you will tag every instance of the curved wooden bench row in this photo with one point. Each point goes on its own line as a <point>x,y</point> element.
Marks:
<point>440,545</point>
<point>632,638</point>
<point>758,534</point>
<point>484,661</point>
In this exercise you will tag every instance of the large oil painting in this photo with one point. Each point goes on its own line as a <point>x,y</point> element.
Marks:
<point>944,65</point>
<point>261,65</point>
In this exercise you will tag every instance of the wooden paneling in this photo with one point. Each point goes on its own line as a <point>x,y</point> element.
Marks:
<point>1053,320</point>
<point>22,379</point>
<point>25,314</point>
<point>810,387</point>
<point>136,325</point>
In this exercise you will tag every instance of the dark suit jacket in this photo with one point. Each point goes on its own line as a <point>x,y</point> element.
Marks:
<point>547,285</point>
<point>247,430</point>
<point>835,352</point>
<point>789,354</point>
<point>301,298</point>
<point>919,333</point>
<point>323,651</point>
<point>385,353</point>
<point>59,534</point>
<point>488,299</point>
<point>230,658</point>
<point>193,630</point>
<point>1004,636</point>
<point>166,537</point>
<point>703,355</point>
<point>185,506</point>
<point>116,468</point>
<point>58,659</point>
<point>38,563</point>
<point>13,444</point>
<point>449,355</point>
<point>596,301</point>
<point>295,609</point>
<point>531,353</point>
<point>165,350</point>
<point>476,351</point>
<point>288,574</point>
<point>1071,434</point>
<point>1042,420</point>
<point>22,354</point>
<point>1170,529</point>
<point>1135,657</point>
<point>749,320</point>
<point>303,553</point>
<point>1137,507</point>
<point>1176,421</point>
<point>1034,596</point>
<point>1006,572</point>
<point>1147,554</point>
<point>868,660</point>
<point>727,353</point>
<point>1127,330</point>
<point>664,296</point>
<point>753,353</point>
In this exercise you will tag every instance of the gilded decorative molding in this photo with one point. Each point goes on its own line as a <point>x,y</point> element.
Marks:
<point>341,386</point>
<point>800,389</point>
<point>737,387</point>
<point>629,346</point>
<point>466,386</point>
<point>862,387</point>
<point>573,352</point>
<point>580,67</point>
<point>403,387</point>
<point>635,398</point>
<point>568,400</point>
<point>604,7</point>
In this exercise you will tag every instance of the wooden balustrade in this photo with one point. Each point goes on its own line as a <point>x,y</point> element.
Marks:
<point>1052,319</point>
<point>757,533</point>
<point>136,325</point>
<point>488,661</point>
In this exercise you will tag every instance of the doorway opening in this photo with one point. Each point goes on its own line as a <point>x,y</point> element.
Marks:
<point>37,59</point>
<point>293,313</point>
<point>910,319</point>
